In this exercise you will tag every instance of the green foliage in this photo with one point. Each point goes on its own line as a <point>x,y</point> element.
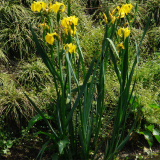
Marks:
<point>36,79</point>
<point>5,139</point>
<point>3,57</point>
<point>33,75</point>
<point>153,7</point>
<point>149,132</point>
<point>13,104</point>
<point>15,35</point>
<point>148,90</point>
<point>154,36</point>
<point>145,47</point>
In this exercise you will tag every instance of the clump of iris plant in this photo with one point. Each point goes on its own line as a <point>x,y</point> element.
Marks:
<point>79,120</point>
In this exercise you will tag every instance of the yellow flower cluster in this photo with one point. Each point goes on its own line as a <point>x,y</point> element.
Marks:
<point>71,47</point>
<point>124,10</point>
<point>69,24</point>
<point>126,32</point>
<point>39,5</point>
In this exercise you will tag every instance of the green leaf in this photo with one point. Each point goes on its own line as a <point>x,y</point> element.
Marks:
<point>111,42</point>
<point>121,145</point>
<point>69,8</point>
<point>36,119</point>
<point>156,134</point>
<point>148,137</point>
<point>42,150</point>
<point>81,57</point>
<point>58,113</point>
<point>154,106</point>
<point>47,134</point>
<point>70,65</point>
<point>145,30</point>
<point>9,143</point>
<point>150,128</point>
<point>79,47</point>
<point>6,151</point>
<point>81,92</point>
<point>157,138</point>
<point>41,113</point>
<point>62,143</point>
<point>115,66</point>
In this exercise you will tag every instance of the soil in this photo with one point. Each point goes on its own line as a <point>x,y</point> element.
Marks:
<point>139,147</point>
<point>28,150</point>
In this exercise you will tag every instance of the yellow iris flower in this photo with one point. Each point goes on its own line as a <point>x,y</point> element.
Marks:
<point>120,32</point>
<point>37,6</point>
<point>71,47</point>
<point>49,38</point>
<point>126,32</point>
<point>124,10</point>
<point>44,25</point>
<point>120,45</point>
<point>68,22</point>
<point>56,7</point>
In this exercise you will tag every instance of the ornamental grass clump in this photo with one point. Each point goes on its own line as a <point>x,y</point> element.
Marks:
<point>15,35</point>
<point>14,106</point>
<point>79,119</point>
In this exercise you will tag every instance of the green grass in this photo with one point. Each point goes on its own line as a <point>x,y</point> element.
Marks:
<point>15,35</point>
<point>13,104</point>
<point>33,75</point>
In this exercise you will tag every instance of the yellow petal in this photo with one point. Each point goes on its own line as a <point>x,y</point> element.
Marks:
<point>44,5</point>
<point>112,17</point>
<point>44,25</point>
<point>49,38</point>
<point>33,7</point>
<point>105,17</point>
<point>63,9</point>
<point>74,20</point>
<point>56,7</point>
<point>120,32</point>
<point>120,45</point>
<point>126,32</point>
<point>71,47</point>
<point>38,6</point>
